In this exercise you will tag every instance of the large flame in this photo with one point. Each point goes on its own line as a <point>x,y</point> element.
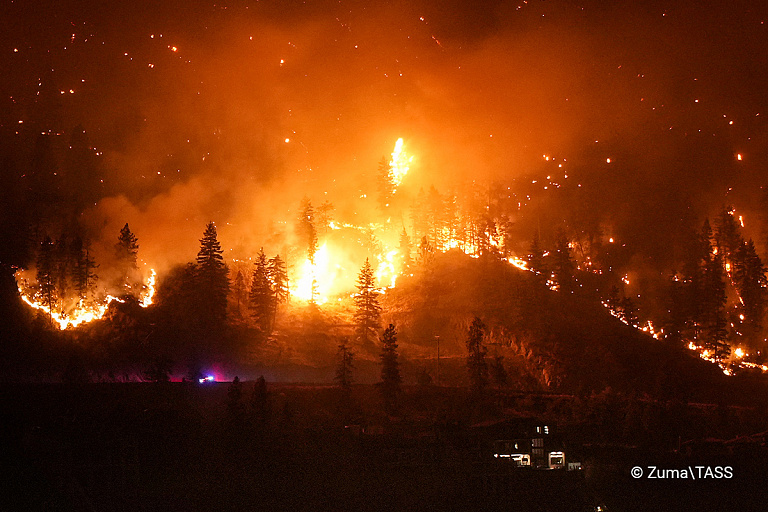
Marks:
<point>399,165</point>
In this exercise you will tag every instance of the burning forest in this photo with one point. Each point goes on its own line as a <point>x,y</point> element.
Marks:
<point>549,199</point>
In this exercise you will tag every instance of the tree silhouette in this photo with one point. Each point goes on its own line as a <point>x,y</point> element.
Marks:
<point>307,229</point>
<point>476,363</point>
<point>212,280</point>
<point>344,367</point>
<point>126,254</point>
<point>261,298</point>
<point>749,277</point>
<point>390,369</point>
<point>278,277</point>
<point>367,309</point>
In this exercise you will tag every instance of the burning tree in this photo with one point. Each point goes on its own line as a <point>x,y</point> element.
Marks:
<point>307,229</point>
<point>368,311</point>
<point>476,363</point>
<point>278,277</point>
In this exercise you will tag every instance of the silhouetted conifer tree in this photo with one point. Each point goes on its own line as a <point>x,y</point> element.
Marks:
<point>367,309</point>
<point>749,277</point>
<point>212,280</point>
<point>126,255</point>
<point>278,276</point>
<point>261,298</point>
<point>390,369</point>
<point>307,229</point>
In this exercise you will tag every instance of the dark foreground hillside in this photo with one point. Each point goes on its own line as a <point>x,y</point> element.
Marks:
<point>142,446</point>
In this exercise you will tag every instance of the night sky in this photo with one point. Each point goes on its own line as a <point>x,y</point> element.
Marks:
<point>233,111</point>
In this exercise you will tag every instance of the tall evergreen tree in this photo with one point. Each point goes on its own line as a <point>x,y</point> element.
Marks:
<point>325,215</point>
<point>727,237</point>
<point>715,322</point>
<point>212,280</point>
<point>126,254</point>
<point>476,351</point>
<point>390,369</point>
<point>278,277</point>
<point>750,279</point>
<point>306,228</point>
<point>367,309</point>
<point>261,298</point>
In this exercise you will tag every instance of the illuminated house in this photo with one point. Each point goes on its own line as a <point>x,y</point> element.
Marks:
<point>524,442</point>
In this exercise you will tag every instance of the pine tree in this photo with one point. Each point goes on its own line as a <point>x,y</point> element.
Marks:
<point>325,215</point>
<point>476,351</point>
<point>45,274</point>
<point>750,279</point>
<point>261,298</point>
<point>727,237</point>
<point>344,367</point>
<point>278,277</point>
<point>716,334</point>
<point>307,229</point>
<point>390,369</point>
<point>126,254</point>
<point>367,309</point>
<point>212,280</point>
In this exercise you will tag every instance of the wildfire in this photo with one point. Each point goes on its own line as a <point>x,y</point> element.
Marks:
<point>84,311</point>
<point>399,165</point>
<point>386,274</point>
